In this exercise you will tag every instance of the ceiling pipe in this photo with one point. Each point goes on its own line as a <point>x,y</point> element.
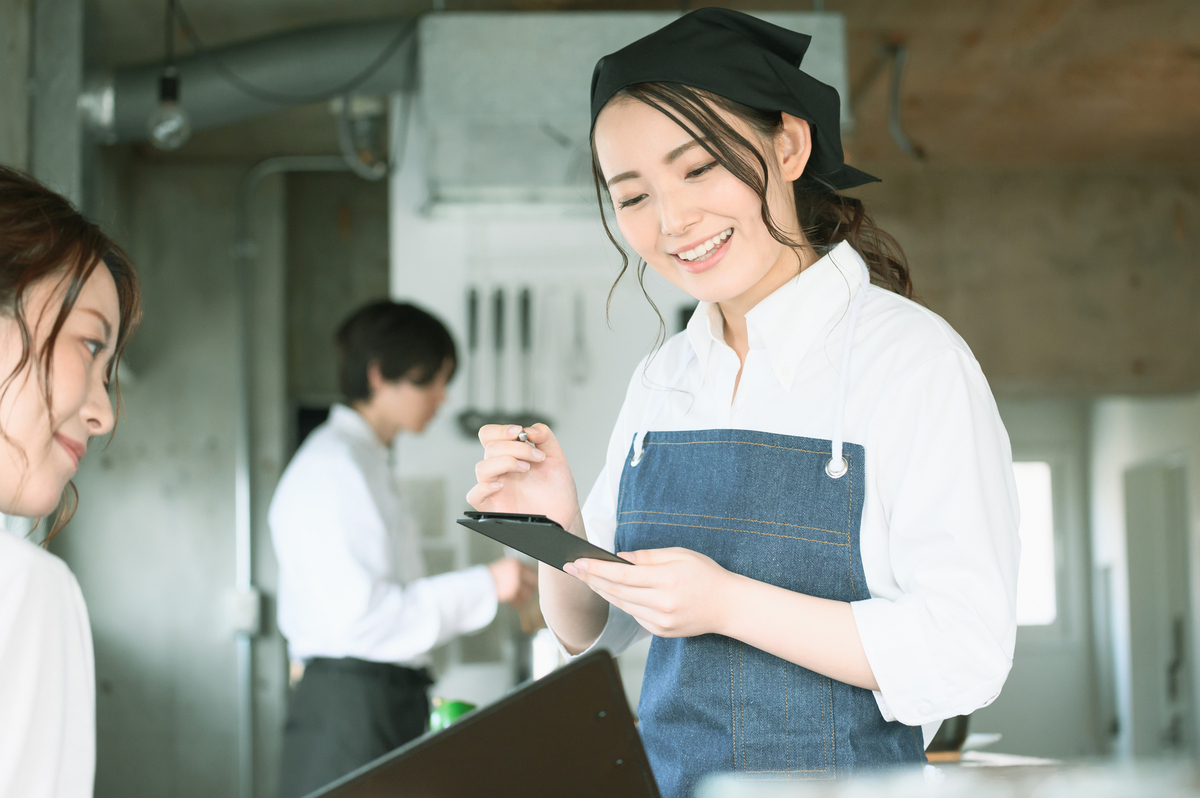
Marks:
<point>895,126</point>
<point>240,81</point>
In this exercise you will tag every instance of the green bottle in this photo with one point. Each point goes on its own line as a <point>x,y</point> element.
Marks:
<point>446,712</point>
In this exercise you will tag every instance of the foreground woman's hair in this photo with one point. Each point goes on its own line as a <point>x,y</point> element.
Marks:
<point>43,236</point>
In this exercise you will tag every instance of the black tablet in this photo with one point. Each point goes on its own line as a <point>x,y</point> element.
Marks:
<point>538,536</point>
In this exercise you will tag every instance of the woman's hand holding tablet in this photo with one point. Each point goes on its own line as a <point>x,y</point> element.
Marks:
<point>673,592</point>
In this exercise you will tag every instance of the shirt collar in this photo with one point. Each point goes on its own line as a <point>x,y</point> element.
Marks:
<point>347,421</point>
<point>788,321</point>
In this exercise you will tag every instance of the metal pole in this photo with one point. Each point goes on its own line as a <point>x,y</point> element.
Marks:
<point>249,600</point>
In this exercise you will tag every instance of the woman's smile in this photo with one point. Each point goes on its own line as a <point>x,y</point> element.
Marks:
<point>74,448</point>
<point>680,210</point>
<point>706,254</point>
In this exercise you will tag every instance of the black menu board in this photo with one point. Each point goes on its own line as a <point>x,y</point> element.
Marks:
<point>569,733</point>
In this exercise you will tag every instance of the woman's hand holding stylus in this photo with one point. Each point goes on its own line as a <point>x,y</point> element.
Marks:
<point>515,477</point>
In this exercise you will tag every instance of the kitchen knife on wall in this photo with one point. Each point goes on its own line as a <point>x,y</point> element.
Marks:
<point>527,417</point>
<point>471,419</point>
<point>498,350</point>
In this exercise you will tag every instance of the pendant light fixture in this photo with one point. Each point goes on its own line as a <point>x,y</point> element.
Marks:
<point>168,123</point>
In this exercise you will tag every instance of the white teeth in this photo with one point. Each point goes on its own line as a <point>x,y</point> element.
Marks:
<point>702,251</point>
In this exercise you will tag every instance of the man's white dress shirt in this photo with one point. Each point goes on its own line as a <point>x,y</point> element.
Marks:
<point>939,525</point>
<point>47,677</point>
<point>351,577</point>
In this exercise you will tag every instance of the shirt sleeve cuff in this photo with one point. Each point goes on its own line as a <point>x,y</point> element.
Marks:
<point>620,631</point>
<point>466,600</point>
<point>892,642</point>
<point>911,689</point>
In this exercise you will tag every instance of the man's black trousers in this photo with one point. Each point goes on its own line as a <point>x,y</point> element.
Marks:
<point>345,713</point>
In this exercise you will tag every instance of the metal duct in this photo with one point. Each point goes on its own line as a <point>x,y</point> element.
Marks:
<point>276,72</point>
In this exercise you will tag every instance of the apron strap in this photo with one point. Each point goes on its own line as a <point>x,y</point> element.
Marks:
<point>654,409</point>
<point>837,465</point>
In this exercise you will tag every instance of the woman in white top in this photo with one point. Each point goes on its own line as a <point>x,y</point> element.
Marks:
<point>68,303</point>
<point>812,481</point>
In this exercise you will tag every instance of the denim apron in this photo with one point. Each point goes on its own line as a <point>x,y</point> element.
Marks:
<point>783,510</point>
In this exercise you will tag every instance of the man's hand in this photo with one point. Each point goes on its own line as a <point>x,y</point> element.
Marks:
<point>515,581</point>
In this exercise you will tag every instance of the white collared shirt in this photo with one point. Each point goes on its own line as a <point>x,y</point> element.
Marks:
<point>939,525</point>
<point>47,677</point>
<point>351,577</point>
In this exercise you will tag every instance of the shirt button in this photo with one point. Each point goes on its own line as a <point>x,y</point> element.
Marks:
<point>925,708</point>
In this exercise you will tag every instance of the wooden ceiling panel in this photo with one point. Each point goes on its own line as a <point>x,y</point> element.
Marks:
<point>1014,84</point>
<point>1083,82</point>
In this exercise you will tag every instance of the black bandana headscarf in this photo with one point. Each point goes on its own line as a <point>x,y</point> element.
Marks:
<point>744,59</point>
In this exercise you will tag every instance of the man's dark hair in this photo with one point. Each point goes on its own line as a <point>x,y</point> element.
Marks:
<point>406,342</point>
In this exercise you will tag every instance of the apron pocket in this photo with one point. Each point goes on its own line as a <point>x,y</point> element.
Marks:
<point>783,717</point>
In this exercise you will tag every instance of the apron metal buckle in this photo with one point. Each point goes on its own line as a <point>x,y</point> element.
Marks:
<point>637,449</point>
<point>839,471</point>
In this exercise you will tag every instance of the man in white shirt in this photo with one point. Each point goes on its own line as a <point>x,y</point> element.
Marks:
<point>354,602</point>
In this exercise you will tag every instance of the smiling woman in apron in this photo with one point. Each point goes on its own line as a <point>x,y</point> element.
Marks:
<point>812,481</point>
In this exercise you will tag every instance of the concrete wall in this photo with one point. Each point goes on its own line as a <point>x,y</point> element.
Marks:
<point>14,82</point>
<point>337,260</point>
<point>1062,282</point>
<point>153,542</point>
<point>56,147</point>
<point>41,74</point>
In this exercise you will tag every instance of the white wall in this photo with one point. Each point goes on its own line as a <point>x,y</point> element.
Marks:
<point>1127,432</point>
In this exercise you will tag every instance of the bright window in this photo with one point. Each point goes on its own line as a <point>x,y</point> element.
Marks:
<point>1036,604</point>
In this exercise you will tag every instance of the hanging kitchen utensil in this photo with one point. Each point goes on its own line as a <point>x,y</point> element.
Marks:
<point>578,363</point>
<point>471,419</point>
<point>527,417</point>
<point>523,308</point>
<point>498,351</point>
<point>472,343</point>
